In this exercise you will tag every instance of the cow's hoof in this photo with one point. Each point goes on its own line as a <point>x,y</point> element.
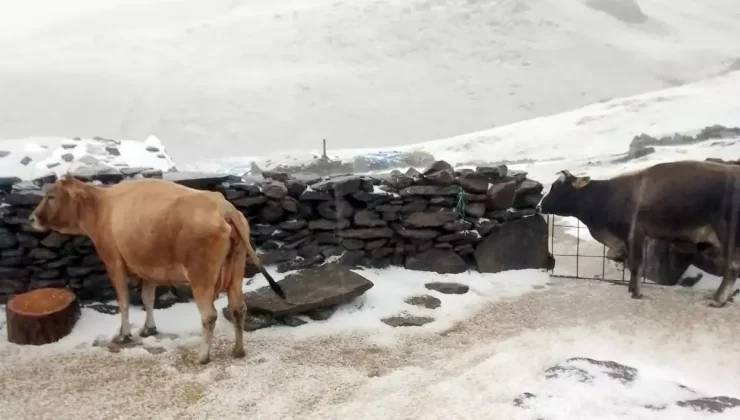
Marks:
<point>122,339</point>
<point>637,295</point>
<point>204,360</point>
<point>715,304</point>
<point>238,353</point>
<point>148,332</point>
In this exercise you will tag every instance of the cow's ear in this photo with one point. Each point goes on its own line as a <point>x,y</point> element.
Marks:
<point>66,178</point>
<point>581,181</point>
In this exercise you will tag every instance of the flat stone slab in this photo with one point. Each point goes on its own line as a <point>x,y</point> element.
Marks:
<point>407,320</point>
<point>426,301</point>
<point>448,288</point>
<point>312,288</point>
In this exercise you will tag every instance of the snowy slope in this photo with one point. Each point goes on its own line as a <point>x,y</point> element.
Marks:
<point>587,138</point>
<point>228,77</point>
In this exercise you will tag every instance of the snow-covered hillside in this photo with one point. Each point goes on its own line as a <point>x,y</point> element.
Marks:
<point>592,138</point>
<point>224,78</point>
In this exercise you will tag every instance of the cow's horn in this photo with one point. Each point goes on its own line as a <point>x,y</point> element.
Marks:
<point>566,173</point>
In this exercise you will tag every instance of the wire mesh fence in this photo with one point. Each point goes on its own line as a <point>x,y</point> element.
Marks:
<point>577,255</point>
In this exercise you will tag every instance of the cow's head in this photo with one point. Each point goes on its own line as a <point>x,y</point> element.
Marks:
<point>62,207</point>
<point>563,197</point>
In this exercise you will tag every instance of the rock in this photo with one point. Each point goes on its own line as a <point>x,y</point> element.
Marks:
<point>367,233</point>
<point>426,301</point>
<point>492,172</point>
<point>368,218</point>
<point>276,176</point>
<point>341,185</point>
<point>250,201</point>
<point>429,190</point>
<point>290,204</point>
<point>501,196</point>
<point>440,261</point>
<point>321,314</point>
<point>478,209</point>
<point>457,225</point>
<point>313,288</point>
<point>335,209</point>
<point>407,321</point>
<point>711,404</point>
<point>430,219</point>
<point>271,212</point>
<point>375,244</point>
<point>323,224</point>
<point>474,182</point>
<point>313,195</point>
<point>198,180</point>
<point>353,244</point>
<point>275,189</point>
<point>514,245</point>
<point>448,288</point>
<point>442,177</point>
<point>415,205</point>
<point>24,194</point>
<point>295,188</point>
<point>293,224</point>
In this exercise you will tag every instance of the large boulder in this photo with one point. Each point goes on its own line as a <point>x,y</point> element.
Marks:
<point>441,261</point>
<point>309,289</point>
<point>515,245</point>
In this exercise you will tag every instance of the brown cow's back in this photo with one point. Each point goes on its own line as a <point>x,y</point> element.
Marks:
<point>155,225</point>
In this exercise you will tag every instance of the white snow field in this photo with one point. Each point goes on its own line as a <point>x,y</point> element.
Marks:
<point>227,77</point>
<point>487,355</point>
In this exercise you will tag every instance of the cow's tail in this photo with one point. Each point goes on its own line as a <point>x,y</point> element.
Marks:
<point>239,222</point>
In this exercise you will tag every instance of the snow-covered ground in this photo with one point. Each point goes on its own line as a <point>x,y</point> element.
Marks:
<point>248,77</point>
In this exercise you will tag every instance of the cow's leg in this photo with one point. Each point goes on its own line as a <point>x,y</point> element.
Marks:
<point>203,297</point>
<point>724,291</point>
<point>119,281</point>
<point>148,290</point>
<point>634,262</point>
<point>238,310</point>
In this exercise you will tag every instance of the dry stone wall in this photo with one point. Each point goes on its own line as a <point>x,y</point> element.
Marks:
<point>442,220</point>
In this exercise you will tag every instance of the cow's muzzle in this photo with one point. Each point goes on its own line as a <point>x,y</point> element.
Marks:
<point>35,224</point>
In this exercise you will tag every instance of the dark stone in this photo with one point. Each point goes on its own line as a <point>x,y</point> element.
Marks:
<point>300,264</point>
<point>331,251</point>
<point>439,165</point>
<point>379,253</point>
<point>464,249</point>
<point>441,177</point>
<point>295,188</point>
<point>232,194</point>
<point>389,208</point>
<point>24,194</point>
<point>407,320</point>
<point>492,172</point>
<point>327,238</point>
<point>440,261</point>
<point>275,189</point>
<point>367,233</point>
<point>67,157</point>
<point>313,195</point>
<point>430,219</point>
<point>54,240</point>
<point>374,244</point>
<point>484,227</point>
<point>501,195</point>
<point>98,172</point>
<point>297,243</point>
<point>416,205</point>
<point>474,182</point>
<point>42,254</point>
<point>478,209</point>
<point>368,218</point>
<point>262,230</point>
<point>466,236</point>
<point>341,185</point>
<point>425,234</point>
<point>7,240</point>
<point>253,322</point>
<point>519,401</point>
<point>429,190</point>
<point>277,176</point>
<point>250,189</point>
<point>310,249</point>
<point>313,288</point>
<point>353,244</point>
<point>514,245</point>
<point>27,241</point>
<point>278,256</point>
<point>104,308</point>
<point>426,301</point>
<point>711,404</point>
<point>271,212</point>
<point>293,224</point>
<point>457,225</point>
<point>372,197</point>
<point>336,209</point>
<point>324,224</point>
<point>290,204</point>
<point>448,288</point>
<point>321,314</point>
<point>353,259</point>
<point>249,201</point>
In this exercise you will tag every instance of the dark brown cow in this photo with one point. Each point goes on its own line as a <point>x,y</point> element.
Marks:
<point>687,203</point>
<point>163,233</point>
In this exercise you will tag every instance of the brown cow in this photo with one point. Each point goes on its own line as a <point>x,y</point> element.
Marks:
<point>164,233</point>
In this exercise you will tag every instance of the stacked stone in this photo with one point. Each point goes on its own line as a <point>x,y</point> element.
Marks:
<point>427,221</point>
